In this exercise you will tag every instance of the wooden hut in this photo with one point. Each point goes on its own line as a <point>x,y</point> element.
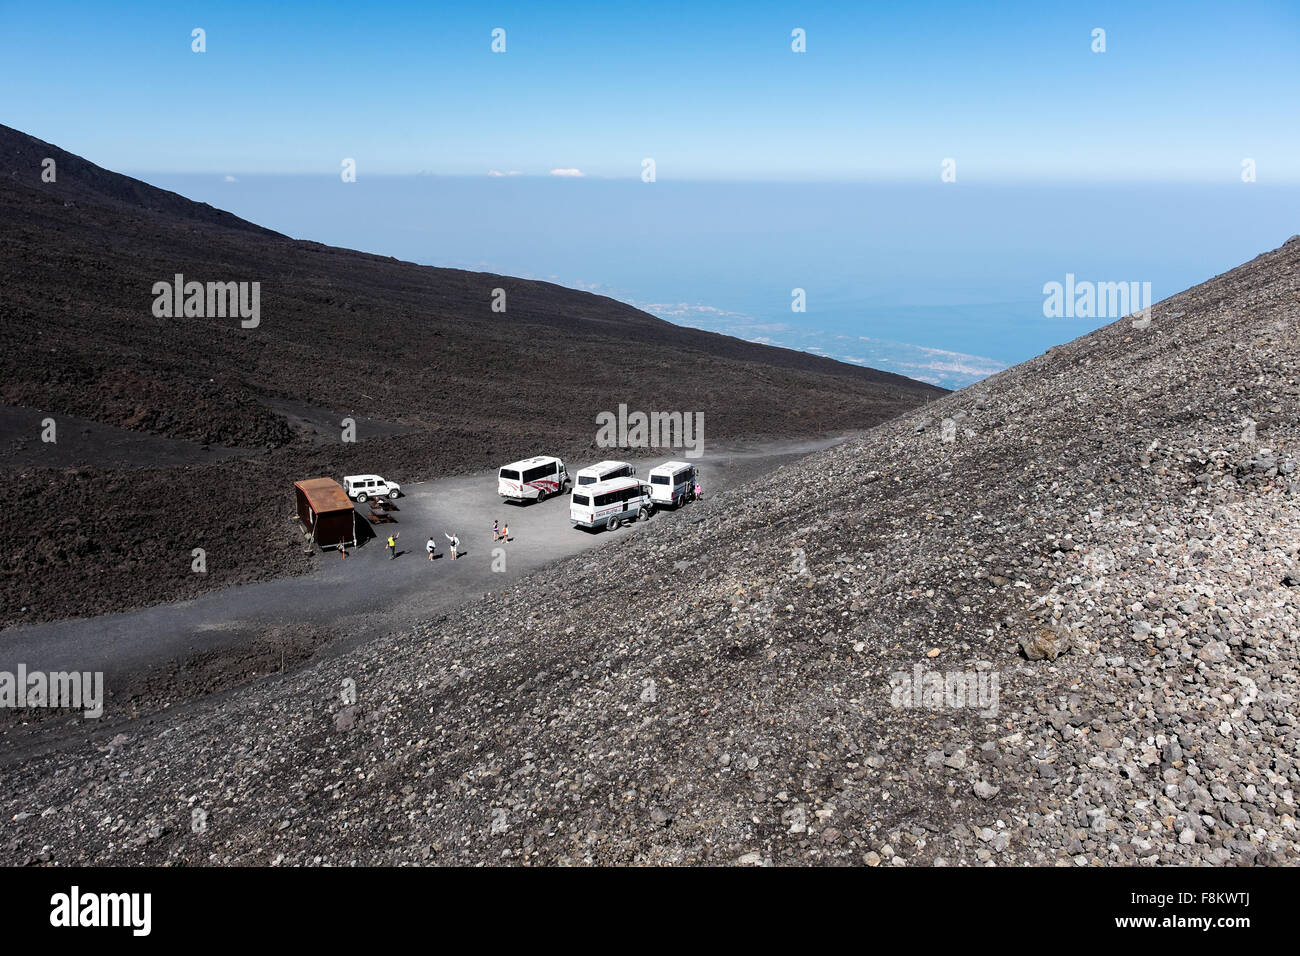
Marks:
<point>325,512</point>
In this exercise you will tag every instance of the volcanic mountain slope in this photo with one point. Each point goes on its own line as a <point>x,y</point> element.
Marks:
<point>1111,529</point>
<point>451,385</point>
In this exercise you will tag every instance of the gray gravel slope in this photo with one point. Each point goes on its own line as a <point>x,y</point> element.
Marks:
<point>1101,531</point>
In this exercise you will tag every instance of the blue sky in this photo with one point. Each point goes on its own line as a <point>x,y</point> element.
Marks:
<point>1012,91</point>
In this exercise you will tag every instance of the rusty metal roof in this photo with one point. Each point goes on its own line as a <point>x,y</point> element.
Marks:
<point>324,494</point>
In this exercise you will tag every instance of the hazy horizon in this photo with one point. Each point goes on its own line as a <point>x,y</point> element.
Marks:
<point>940,282</point>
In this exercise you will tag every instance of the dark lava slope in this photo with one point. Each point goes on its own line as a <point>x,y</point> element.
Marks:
<point>451,385</point>
<point>1110,529</point>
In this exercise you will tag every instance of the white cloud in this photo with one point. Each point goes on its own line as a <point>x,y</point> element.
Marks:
<point>509,172</point>
<point>231,179</point>
<point>577,173</point>
<point>937,366</point>
<point>663,309</point>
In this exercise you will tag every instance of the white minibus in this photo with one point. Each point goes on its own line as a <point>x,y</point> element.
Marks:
<point>605,471</point>
<point>672,483</point>
<point>532,479</point>
<point>607,504</point>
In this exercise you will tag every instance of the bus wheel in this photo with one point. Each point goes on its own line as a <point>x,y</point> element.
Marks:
<point>643,514</point>
<point>613,524</point>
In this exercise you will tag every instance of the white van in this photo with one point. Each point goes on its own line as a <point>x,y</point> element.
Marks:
<point>605,471</point>
<point>532,479</point>
<point>672,483</point>
<point>362,487</point>
<point>609,503</point>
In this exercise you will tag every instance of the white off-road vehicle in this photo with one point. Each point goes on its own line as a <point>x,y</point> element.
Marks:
<point>362,487</point>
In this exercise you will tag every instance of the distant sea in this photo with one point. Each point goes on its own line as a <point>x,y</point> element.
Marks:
<point>941,282</point>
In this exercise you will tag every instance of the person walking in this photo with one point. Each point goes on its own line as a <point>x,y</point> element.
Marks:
<point>392,545</point>
<point>505,532</point>
<point>455,545</point>
<point>699,491</point>
<point>496,530</point>
<point>432,547</point>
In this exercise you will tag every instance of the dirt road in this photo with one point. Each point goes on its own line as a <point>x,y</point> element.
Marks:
<point>165,654</point>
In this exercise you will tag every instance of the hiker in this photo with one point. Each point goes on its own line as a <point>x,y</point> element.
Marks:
<point>432,547</point>
<point>392,545</point>
<point>699,492</point>
<point>455,545</point>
